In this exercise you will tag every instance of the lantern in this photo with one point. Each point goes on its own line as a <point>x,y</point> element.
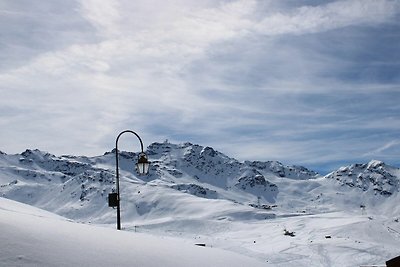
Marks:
<point>142,166</point>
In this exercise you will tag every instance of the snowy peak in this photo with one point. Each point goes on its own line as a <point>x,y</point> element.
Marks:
<point>202,163</point>
<point>160,149</point>
<point>36,154</point>
<point>277,168</point>
<point>374,176</point>
<point>187,152</point>
<point>67,165</point>
<point>375,165</point>
<point>209,166</point>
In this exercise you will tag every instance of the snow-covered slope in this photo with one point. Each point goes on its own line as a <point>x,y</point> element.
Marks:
<point>202,195</point>
<point>33,237</point>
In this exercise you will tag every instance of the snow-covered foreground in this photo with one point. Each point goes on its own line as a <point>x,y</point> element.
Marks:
<point>33,237</point>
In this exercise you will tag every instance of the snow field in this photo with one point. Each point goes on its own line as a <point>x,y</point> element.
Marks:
<point>32,237</point>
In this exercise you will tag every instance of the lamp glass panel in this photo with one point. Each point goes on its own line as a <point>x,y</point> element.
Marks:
<point>142,167</point>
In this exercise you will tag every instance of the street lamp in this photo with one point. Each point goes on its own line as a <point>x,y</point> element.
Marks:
<point>142,167</point>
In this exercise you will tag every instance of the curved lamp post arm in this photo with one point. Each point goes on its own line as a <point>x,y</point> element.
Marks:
<point>128,131</point>
<point>116,155</point>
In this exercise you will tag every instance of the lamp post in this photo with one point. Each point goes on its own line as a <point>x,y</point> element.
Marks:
<point>142,167</point>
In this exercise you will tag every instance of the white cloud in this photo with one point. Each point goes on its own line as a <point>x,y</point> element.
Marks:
<point>104,15</point>
<point>382,150</point>
<point>338,14</point>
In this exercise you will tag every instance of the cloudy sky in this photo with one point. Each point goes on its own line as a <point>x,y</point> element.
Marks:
<point>307,82</point>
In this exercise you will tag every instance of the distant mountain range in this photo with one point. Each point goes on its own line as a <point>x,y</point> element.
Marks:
<point>77,186</point>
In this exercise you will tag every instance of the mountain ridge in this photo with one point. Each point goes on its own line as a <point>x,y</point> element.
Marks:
<point>188,168</point>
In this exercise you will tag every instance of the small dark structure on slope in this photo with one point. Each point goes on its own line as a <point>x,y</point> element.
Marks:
<point>395,262</point>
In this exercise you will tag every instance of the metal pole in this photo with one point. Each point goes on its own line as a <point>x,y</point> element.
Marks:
<point>118,200</point>
<point>117,172</point>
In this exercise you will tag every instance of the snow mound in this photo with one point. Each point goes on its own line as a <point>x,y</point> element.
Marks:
<point>33,237</point>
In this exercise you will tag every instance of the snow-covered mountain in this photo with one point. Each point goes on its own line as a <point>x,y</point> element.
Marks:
<point>75,185</point>
<point>198,193</point>
<point>375,176</point>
